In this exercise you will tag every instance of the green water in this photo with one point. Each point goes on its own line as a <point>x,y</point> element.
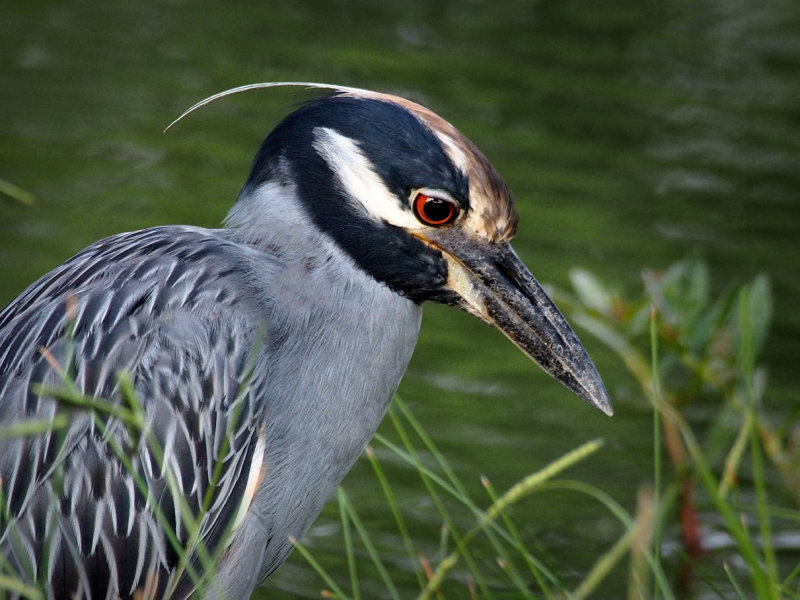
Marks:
<point>631,133</point>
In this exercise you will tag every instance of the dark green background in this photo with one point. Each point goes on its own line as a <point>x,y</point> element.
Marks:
<point>631,133</point>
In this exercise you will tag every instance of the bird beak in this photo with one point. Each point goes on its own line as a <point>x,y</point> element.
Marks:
<point>492,283</point>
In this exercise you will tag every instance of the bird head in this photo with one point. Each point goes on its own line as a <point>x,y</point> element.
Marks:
<point>417,206</point>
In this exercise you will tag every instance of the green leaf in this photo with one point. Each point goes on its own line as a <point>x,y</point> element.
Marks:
<point>713,324</point>
<point>751,321</point>
<point>16,193</point>
<point>685,293</point>
<point>760,311</point>
<point>591,291</point>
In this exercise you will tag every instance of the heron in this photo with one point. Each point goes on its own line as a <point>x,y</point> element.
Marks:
<point>259,358</point>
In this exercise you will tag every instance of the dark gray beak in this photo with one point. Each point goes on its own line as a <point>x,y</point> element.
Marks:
<point>493,284</point>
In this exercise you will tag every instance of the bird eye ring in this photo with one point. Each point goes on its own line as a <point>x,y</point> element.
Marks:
<point>433,209</point>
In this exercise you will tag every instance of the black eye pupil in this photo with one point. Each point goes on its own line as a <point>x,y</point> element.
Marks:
<point>434,211</point>
<point>437,210</point>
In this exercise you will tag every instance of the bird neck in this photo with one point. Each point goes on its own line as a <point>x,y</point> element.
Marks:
<point>346,336</point>
<point>358,334</point>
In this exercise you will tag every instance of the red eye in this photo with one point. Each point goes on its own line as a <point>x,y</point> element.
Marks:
<point>434,211</point>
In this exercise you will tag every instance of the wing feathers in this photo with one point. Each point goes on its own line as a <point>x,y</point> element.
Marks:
<point>144,305</point>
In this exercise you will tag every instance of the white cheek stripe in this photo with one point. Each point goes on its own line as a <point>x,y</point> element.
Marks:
<point>359,179</point>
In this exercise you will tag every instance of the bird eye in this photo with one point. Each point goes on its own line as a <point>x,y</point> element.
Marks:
<point>434,210</point>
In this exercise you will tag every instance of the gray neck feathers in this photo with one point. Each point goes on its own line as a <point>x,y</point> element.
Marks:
<point>344,335</point>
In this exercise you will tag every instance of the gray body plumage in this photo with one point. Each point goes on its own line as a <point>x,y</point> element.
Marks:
<point>198,318</point>
<point>177,404</point>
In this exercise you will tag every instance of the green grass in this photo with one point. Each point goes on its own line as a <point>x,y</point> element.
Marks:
<point>683,348</point>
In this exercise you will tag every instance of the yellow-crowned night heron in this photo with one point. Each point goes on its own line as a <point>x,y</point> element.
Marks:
<point>262,356</point>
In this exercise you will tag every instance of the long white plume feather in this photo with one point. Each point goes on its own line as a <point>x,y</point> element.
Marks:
<point>269,84</point>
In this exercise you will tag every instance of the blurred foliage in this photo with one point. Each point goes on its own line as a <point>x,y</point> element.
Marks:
<point>708,346</point>
<point>688,350</point>
<point>700,337</point>
<point>15,193</point>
